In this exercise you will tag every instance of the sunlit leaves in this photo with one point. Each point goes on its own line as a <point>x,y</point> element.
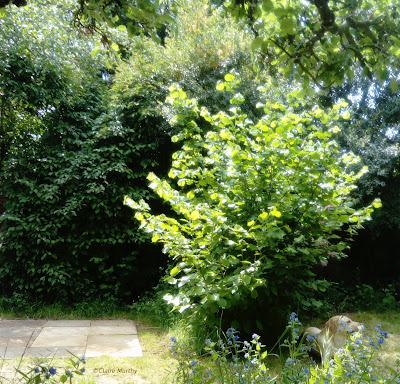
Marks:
<point>254,201</point>
<point>322,41</point>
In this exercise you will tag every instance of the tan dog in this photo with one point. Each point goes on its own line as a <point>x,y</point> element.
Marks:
<point>332,337</point>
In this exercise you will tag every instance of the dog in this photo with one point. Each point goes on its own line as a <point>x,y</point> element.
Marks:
<point>332,337</point>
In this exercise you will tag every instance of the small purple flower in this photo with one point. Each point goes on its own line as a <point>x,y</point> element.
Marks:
<point>193,363</point>
<point>173,339</point>
<point>52,371</point>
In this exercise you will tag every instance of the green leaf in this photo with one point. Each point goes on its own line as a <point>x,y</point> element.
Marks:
<point>222,302</point>
<point>393,85</point>
<point>195,215</point>
<point>257,43</point>
<point>276,213</point>
<point>114,47</point>
<point>174,271</point>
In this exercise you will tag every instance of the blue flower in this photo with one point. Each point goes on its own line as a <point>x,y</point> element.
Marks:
<point>306,370</point>
<point>193,363</point>
<point>52,371</point>
<point>69,373</point>
<point>83,359</point>
<point>173,339</point>
<point>47,375</point>
<point>384,334</point>
<point>381,340</point>
<point>83,370</point>
<point>37,369</point>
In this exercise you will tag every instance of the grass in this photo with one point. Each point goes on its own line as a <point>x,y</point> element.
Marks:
<point>155,328</point>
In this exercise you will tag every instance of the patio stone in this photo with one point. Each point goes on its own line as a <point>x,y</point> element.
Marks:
<point>109,330</point>
<point>62,337</point>
<point>113,345</point>
<point>57,338</point>
<point>56,351</point>
<point>68,323</point>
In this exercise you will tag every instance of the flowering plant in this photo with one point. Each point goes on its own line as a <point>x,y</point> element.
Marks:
<point>46,372</point>
<point>230,360</point>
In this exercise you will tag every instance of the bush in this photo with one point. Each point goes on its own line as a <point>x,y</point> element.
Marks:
<point>257,206</point>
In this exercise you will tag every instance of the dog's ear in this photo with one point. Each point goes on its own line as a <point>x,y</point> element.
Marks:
<point>332,325</point>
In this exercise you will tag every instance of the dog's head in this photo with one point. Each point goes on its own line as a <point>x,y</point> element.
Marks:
<point>341,324</point>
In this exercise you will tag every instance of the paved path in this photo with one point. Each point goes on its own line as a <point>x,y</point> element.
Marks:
<point>47,338</point>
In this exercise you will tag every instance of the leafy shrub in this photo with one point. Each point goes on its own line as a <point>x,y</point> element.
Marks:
<point>257,206</point>
<point>67,235</point>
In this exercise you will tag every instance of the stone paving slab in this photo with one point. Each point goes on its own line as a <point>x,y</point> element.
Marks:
<point>117,346</point>
<point>56,338</point>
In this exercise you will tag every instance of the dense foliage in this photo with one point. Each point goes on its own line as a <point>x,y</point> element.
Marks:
<point>258,204</point>
<point>324,41</point>
<point>83,137</point>
<point>66,234</point>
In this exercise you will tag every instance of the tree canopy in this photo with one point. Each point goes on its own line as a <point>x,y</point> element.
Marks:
<point>325,41</point>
